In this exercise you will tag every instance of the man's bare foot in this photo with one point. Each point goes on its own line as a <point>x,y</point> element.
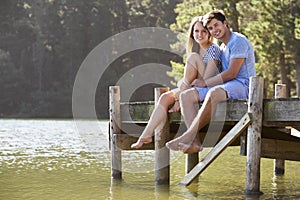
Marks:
<point>185,139</point>
<point>140,142</point>
<point>175,107</point>
<point>190,148</point>
<point>173,145</point>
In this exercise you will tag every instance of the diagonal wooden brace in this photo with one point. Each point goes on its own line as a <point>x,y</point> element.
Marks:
<point>234,133</point>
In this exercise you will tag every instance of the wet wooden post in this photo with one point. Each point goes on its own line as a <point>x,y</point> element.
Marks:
<point>115,122</point>
<point>280,92</point>
<point>162,154</point>
<point>255,106</point>
<point>191,161</point>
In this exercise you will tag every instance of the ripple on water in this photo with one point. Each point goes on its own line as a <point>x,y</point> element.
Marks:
<point>51,143</point>
<point>40,159</point>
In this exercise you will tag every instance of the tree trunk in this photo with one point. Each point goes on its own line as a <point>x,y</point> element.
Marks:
<point>297,61</point>
<point>283,74</point>
<point>295,9</point>
<point>234,16</point>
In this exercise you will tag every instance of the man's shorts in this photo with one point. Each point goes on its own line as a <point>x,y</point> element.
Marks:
<point>234,89</point>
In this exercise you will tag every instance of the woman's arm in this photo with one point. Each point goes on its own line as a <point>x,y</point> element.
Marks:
<point>211,69</point>
<point>227,75</point>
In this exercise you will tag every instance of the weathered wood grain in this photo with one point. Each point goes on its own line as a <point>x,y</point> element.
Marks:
<point>279,112</point>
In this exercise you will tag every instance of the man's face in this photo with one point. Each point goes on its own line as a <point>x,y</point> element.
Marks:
<point>216,28</point>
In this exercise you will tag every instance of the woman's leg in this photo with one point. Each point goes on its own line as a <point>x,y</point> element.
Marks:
<point>158,116</point>
<point>183,143</point>
<point>192,69</point>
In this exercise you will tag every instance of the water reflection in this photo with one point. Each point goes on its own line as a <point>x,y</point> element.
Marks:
<point>162,192</point>
<point>43,159</point>
<point>116,189</point>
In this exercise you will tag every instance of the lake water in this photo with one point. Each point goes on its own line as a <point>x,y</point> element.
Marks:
<point>61,159</point>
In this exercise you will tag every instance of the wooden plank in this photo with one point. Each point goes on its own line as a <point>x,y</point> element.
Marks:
<point>124,142</point>
<point>218,149</point>
<point>141,111</point>
<point>278,134</point>
<point>281,112</point>
<point>277,112</point>
<point>234,109</point>
<point>136,111</point>
<point>280,149</point>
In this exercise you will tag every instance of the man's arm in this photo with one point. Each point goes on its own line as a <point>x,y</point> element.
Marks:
<point>227,75</point>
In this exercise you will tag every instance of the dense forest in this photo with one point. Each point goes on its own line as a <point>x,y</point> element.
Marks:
<point>44,42</point>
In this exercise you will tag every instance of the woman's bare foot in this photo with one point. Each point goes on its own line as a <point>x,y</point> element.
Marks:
<point>175,107</point>
<point>141,141</point>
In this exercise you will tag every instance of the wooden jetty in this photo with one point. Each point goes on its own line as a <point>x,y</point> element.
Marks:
<point>260,126</point>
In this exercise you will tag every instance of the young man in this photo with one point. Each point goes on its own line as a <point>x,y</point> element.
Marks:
<point>238,65</point>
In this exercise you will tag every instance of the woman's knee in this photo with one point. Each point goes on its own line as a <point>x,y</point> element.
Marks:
<point>166,98</point>
<point>193,59</point>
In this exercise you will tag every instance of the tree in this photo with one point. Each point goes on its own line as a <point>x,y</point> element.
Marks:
<point>273,31</point>
<point>273,35</point>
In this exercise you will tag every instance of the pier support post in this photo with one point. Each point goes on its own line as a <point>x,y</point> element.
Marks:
<point>255,106</point>
<point>115,128</point>
<point>191,161</point>
<point>280,92</point>
<point>162,154</point>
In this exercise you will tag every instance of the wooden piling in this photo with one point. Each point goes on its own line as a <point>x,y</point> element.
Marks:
<point>191,161</point>
<point>255,106</point>
<point>162,154</point>
<point>115,123</point>
<point>280,92</point>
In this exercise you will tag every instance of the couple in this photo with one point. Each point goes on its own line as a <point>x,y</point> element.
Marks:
<point>235,63</point>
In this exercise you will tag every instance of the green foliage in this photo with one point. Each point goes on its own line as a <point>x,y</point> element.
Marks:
<point>43,43</point>
<point>186,11</point>
<point>272,35</point>
<point>177,71</point>
<point>271,26</point>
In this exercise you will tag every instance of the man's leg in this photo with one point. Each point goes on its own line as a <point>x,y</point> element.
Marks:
<point>187,101</point>
<point>213,97</point>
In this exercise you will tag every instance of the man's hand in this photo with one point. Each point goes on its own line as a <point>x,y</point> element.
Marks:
<point>199,83</point>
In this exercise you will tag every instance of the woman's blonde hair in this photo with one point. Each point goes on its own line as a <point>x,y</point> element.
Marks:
<point>192,45</point>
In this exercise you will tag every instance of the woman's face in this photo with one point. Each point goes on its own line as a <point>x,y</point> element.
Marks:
<point>200,34</point>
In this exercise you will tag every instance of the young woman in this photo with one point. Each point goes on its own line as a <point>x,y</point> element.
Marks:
<point>203,61</point>
<point>238,65</point>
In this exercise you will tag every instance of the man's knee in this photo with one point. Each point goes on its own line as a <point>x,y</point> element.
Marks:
<point>188,96</point>
<point>216,94</point>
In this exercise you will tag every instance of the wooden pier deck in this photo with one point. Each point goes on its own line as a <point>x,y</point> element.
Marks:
<point>270,119</point>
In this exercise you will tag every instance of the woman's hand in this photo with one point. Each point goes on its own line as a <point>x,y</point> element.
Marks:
<point>175,107</point>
